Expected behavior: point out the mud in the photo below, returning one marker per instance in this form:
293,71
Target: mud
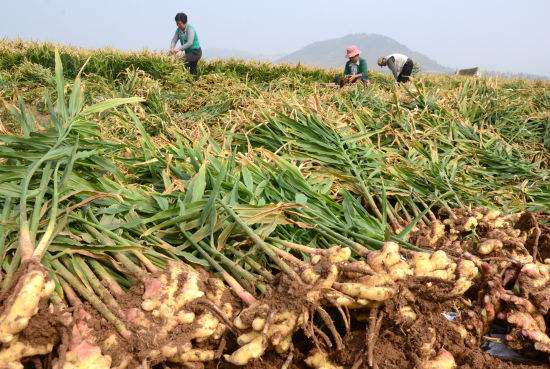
45,327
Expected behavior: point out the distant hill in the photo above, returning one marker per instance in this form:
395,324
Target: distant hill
214,53
330,53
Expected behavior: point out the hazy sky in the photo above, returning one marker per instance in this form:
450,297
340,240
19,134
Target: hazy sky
504,35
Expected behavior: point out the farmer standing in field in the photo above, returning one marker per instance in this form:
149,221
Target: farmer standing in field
355,69
187,36
400,65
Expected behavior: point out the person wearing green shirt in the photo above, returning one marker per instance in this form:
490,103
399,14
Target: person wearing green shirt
356,68
190,45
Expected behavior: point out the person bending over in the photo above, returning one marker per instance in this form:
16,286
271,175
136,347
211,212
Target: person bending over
400,65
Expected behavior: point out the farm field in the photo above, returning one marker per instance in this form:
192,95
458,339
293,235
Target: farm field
257,218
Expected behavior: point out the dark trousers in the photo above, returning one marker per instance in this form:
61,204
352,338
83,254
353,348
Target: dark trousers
406,71
192,58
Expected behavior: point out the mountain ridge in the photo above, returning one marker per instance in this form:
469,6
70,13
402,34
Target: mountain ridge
330,53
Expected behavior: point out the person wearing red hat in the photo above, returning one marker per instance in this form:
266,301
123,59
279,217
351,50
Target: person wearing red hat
355,69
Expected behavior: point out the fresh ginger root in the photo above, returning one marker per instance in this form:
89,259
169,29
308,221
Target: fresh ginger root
431,236
86,356
381,260
10,357
319,360
526,320
194,356
389,267
252,348
182,296
488,246
466,273
31,288
443,360
325,283
436,265
164,299
263,328
534,276
83,351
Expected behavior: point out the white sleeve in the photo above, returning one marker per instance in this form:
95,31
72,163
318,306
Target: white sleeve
392,65
174,40
190,40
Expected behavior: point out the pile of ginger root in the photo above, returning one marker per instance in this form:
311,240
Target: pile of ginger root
187,317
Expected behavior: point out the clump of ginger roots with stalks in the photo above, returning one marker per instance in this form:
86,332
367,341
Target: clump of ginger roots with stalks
480,231
83,350
517,294
525,306
517,279
30,293
179,298
183,313
184,298
272,321
332,279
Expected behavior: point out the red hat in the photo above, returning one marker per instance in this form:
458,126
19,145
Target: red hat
352,51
